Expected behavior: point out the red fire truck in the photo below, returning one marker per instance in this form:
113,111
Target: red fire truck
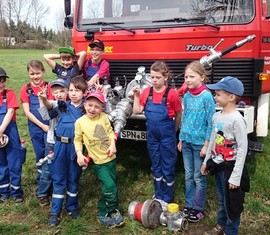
233,36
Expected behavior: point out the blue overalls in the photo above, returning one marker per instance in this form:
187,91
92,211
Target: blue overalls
161,144
67,73
91,71
38,138
11,158
64,169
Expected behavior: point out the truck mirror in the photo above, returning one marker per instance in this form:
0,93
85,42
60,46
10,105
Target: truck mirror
67,7
68,23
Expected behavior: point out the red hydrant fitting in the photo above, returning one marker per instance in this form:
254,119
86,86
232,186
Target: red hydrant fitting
147,212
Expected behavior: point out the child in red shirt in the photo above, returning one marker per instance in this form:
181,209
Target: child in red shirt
162,108
37,127
12,156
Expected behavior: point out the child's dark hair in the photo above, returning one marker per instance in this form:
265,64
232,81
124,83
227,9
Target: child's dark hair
161,67
37,64
79,83
66,56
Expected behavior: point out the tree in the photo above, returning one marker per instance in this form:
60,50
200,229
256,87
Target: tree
22,32
4,33
21,9
59,24
1,10
39,11
50,35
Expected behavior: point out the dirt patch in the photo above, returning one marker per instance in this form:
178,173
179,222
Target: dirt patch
14,218
197,228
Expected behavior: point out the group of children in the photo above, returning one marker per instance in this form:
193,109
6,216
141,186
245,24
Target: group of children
203,149
58,113
52,110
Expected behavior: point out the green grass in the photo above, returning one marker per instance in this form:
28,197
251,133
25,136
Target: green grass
134,178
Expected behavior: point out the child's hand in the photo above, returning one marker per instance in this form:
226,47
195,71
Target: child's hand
98,86
233,186
45,128
111,150
43,93
203,170
136,91
179,145
203,151
81,159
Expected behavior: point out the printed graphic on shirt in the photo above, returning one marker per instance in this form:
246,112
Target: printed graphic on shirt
225,149
64,73
101,134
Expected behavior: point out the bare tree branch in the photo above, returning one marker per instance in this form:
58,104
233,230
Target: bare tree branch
21,9
39,11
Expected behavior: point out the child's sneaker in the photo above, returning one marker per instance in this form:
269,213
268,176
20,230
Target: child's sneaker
217,230
75,214
107,220
117,218
54,220
186,211
18,199
3,198
44,201
195,215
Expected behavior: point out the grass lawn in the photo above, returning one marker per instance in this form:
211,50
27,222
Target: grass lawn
134,178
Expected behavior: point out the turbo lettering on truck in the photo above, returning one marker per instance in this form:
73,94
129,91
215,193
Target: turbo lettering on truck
203,47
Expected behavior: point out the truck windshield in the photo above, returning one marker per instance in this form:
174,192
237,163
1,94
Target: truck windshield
136,14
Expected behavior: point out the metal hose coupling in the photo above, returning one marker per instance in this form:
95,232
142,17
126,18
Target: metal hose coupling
4,141
174,219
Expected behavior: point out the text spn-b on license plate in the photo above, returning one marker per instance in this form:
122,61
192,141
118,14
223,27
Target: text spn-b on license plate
133,135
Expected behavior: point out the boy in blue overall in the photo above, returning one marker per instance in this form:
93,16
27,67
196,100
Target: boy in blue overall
36,125
72,63
95,67
12,156
64,169
59,91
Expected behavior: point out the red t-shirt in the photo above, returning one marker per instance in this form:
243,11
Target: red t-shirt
173,100
24,96
104,69
12,102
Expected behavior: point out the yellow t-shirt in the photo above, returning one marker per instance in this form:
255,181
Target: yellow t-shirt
96,134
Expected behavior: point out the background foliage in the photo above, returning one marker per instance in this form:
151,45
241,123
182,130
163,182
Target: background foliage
22,20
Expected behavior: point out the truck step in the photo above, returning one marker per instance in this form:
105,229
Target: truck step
255,146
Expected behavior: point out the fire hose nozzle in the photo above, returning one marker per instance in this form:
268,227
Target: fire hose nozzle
244,41
251,37
48,158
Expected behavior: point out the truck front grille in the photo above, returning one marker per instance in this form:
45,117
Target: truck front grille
244,69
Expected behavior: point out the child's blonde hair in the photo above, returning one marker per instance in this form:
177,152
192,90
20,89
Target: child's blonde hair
198,68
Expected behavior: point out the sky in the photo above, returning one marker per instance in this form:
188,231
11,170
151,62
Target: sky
56,7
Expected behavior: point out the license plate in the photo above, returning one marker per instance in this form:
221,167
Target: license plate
133,135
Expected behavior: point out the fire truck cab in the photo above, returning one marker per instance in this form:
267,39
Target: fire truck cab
138,32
